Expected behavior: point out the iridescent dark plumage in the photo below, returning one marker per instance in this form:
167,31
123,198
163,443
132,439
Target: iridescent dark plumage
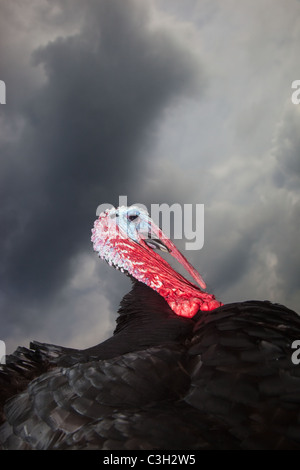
222,379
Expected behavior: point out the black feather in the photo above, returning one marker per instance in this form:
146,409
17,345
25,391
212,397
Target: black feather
219,381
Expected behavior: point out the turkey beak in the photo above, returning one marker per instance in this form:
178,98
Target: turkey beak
156,243
157,239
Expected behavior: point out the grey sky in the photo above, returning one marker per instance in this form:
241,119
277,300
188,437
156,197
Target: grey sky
164,101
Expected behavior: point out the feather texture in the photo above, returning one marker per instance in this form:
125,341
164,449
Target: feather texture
223,380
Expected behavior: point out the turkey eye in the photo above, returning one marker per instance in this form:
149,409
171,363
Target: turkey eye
132,217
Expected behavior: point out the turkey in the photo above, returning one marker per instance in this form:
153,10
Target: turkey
181,371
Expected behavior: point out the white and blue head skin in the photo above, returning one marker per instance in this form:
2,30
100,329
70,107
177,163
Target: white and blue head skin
126,238
118,232
133,221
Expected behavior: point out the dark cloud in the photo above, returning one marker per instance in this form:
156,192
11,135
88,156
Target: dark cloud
287,147
83,129
105,98
286,174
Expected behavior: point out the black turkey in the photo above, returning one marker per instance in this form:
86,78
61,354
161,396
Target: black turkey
181,371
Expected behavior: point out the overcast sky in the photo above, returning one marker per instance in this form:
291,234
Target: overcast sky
161,101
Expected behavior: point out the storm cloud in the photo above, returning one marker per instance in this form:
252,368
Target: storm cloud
160,101
82,135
